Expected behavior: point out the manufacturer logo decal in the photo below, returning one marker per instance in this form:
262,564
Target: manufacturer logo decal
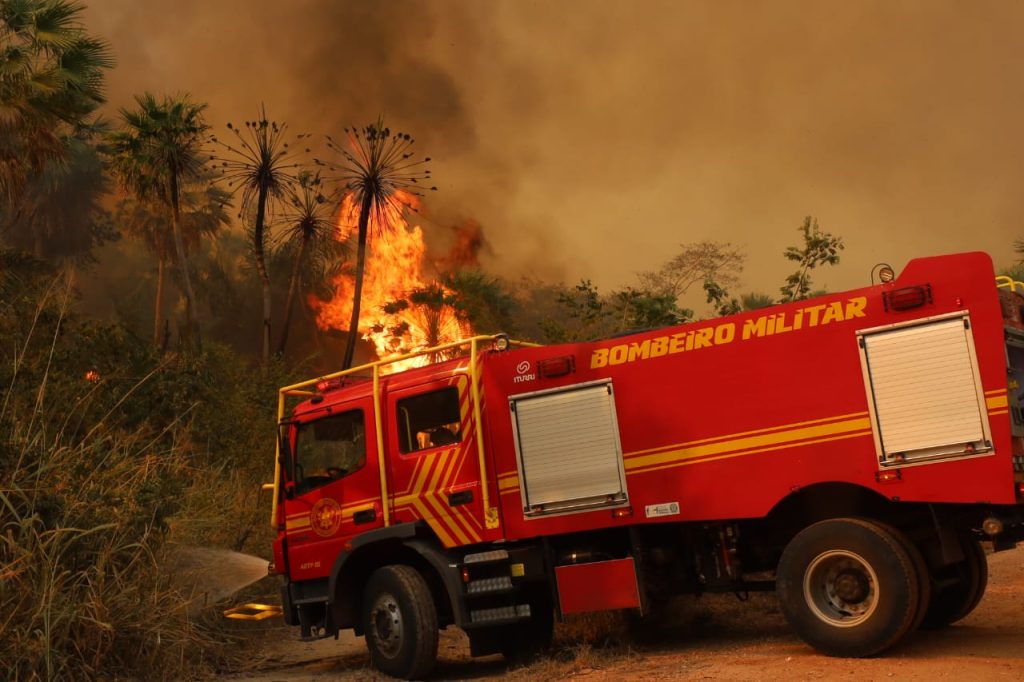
523,373
325,517
663,509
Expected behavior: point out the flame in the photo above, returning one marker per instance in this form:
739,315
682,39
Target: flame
394,268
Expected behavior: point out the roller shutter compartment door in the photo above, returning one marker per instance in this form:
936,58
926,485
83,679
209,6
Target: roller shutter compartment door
927,400
569,452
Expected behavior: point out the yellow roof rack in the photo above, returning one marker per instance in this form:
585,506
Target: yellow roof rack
302,390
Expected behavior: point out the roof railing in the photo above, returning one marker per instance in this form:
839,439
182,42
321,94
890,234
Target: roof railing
1005,282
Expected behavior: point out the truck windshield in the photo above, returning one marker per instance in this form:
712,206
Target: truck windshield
329,449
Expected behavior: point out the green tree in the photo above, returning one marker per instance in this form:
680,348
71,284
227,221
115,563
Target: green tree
309,234
379,171
60,214
485,301
585,314
756,301
260,164
720,300
156,151
51,82
696,263
149,222
819,248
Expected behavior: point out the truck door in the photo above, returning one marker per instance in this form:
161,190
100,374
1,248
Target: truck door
334,491
434,464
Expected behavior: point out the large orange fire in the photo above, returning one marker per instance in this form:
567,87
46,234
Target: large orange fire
395,263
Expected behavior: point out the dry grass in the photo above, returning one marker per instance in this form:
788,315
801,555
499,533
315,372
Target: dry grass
88,502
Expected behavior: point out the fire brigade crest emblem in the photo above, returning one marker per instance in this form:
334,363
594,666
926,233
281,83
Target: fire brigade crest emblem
325,517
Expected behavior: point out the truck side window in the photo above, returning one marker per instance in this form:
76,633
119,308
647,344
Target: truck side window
429,420
329,449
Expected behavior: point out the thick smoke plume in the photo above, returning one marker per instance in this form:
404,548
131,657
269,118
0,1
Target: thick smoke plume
590,139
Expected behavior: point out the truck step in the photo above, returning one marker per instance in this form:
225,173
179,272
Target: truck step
502,614
485,557
502,583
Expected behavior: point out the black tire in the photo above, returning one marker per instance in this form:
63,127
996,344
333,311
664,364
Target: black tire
848,587
924,577
962,587
523,642
400,622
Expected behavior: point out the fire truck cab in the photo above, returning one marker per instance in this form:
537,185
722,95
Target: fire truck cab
850,452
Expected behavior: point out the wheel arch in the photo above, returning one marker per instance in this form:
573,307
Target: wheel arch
806,506
410,544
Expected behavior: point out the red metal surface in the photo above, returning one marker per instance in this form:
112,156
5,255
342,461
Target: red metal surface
719,419
597,586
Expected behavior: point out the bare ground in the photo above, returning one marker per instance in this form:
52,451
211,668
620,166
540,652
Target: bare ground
713,638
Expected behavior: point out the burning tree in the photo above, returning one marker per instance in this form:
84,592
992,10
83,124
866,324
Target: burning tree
309,234
382,178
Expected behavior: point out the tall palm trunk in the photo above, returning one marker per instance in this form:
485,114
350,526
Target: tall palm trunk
159,307
293,287
357,295
179,247
261,267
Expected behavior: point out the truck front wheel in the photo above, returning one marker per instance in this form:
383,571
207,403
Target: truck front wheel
848,587
400,622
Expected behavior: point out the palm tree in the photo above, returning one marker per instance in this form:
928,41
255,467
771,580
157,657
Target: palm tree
51,82
260,164
310,234
203,213
379,170
153,155
60,212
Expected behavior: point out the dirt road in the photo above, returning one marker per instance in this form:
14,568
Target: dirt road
714,638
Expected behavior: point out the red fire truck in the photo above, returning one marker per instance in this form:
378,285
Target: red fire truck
849,451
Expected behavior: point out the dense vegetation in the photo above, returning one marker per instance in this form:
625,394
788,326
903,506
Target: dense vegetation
154,288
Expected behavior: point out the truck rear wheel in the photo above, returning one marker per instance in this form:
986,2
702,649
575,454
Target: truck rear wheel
960,589
924,577
848,587
400,622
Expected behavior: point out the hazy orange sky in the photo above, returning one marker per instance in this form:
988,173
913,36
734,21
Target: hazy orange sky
592,138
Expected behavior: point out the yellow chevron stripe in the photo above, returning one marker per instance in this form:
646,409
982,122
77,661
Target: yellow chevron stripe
998,391
996,413
790,436
463,514
433,499
436,526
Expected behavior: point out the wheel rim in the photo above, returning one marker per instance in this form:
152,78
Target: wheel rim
386,621
841,588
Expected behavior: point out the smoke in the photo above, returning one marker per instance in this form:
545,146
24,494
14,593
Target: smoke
590,139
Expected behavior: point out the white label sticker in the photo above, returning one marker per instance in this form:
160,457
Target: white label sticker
664,509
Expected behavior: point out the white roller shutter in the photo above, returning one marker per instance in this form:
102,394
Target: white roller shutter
926,396
569,450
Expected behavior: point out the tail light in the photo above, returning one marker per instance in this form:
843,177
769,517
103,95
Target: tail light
907,298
